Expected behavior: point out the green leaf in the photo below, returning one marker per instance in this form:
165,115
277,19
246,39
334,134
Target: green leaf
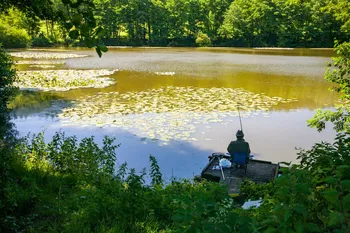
84,30
346,201
301,209
74,34
331,195
346,185
330,180
342,168
287,215
299,227
270,230
66,2
335,218
302,188
68,25
282,180
282,192
77,4
76,19
103,48
98,51
312,227
100,32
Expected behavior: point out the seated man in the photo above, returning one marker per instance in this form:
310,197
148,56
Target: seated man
240,145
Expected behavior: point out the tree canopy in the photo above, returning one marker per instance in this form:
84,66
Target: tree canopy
292,23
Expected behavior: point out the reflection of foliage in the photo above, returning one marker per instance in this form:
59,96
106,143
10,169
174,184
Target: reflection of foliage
340,76
29,99
26,103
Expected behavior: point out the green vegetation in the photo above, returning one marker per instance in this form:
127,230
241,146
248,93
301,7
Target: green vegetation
256,23
63,80
13,29
339,75
75,18
71,186
177,114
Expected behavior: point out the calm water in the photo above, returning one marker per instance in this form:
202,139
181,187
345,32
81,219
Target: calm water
289,74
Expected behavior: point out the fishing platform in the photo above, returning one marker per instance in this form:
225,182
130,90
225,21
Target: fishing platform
258,171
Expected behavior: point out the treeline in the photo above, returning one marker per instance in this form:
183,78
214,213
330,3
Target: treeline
282,23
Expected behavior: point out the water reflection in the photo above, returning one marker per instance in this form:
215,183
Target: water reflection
273,138
288,74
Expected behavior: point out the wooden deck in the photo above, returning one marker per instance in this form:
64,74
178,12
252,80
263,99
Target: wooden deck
258,171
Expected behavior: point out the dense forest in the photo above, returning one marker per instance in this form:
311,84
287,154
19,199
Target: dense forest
252,23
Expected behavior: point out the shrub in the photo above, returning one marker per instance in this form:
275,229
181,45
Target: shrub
41,41
203,39
12,37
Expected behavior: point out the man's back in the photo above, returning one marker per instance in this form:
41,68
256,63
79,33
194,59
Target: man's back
238,146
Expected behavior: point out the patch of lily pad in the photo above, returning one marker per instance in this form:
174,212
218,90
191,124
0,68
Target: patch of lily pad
46,55
168,113
63,80
39,62
42,66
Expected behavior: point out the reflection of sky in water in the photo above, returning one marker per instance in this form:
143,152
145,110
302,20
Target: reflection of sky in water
273,138
297,74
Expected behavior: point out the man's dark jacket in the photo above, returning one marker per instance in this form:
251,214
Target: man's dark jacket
240,145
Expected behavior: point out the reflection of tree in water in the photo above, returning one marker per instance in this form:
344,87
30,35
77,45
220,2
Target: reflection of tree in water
27,103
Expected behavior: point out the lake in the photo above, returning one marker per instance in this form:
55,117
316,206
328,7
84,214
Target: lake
182,104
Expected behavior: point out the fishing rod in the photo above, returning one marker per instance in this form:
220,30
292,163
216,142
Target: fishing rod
222,172
239,114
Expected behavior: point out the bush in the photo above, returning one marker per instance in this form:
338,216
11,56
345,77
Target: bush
12,37
203,39
71,186
41,41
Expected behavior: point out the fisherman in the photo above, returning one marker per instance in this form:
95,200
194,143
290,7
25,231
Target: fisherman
240,145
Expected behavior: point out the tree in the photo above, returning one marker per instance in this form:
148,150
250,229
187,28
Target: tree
249,21
339,74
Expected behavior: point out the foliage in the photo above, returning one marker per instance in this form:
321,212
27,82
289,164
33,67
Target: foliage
71,186
203,39
310,197
310,23
13,27
250,21
339,75
41,41
7,134
14,38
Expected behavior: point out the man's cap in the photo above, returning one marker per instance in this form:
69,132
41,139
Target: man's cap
240,134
